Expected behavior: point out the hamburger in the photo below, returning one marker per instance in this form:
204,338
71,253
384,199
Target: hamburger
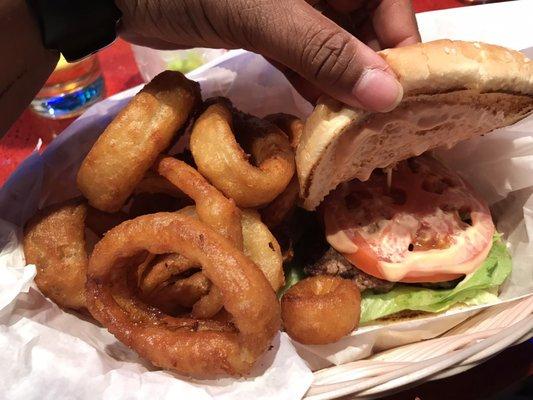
412,233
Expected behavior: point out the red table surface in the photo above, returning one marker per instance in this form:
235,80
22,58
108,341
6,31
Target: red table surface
120,73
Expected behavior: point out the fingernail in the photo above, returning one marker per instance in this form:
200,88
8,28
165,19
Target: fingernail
377,90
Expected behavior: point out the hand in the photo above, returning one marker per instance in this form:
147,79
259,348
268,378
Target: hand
306,44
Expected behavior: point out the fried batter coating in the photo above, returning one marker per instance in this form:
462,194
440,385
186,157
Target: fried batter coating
321,309
129,146
54,241
222,160
194,347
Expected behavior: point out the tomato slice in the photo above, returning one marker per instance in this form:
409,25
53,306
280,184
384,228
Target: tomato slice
429,226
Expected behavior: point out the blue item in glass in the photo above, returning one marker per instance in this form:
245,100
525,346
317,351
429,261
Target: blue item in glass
69,104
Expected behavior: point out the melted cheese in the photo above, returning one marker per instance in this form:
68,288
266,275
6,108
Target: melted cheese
341,242
426,263
338,238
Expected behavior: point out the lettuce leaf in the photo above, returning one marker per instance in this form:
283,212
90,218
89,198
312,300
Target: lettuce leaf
294,273
478,287
186,63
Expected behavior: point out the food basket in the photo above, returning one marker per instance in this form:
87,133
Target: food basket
55,354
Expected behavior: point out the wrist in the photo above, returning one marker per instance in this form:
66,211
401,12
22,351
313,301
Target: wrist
76,28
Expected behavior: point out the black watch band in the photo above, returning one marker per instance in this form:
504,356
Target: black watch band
76,28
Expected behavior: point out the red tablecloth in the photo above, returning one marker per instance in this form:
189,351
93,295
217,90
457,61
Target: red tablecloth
120,73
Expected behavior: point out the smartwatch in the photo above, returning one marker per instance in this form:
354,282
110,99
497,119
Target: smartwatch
76,28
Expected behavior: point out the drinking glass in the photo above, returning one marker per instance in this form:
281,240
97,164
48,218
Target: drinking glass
71,88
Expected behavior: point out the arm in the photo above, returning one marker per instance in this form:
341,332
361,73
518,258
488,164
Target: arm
24,63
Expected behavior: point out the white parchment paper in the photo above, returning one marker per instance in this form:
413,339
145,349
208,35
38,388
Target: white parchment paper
47,353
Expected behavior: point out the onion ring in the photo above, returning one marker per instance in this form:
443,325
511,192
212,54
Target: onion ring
163,286
150,203
209,305
162,268
54,240
184,344
212,207
175,298
282,207
259,245
131,143
154,194
224,163
194,287
321,309
262,248
160,283
155,184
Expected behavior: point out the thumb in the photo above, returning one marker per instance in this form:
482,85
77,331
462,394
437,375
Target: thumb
330,58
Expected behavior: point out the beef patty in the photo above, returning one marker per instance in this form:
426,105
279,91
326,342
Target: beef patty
333,263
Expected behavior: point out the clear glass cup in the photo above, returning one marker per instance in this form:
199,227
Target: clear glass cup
71,88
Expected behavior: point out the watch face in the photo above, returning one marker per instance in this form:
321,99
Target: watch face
68,29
